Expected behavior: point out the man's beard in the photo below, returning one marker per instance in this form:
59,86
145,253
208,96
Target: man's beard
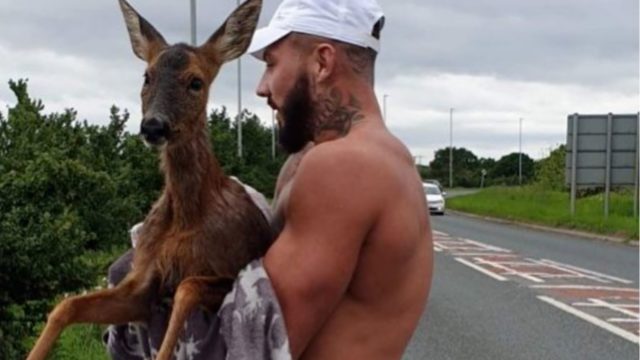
297,115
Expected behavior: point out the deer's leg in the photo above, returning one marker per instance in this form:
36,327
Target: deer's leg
125,303
192,291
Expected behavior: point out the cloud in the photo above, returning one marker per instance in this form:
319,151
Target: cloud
494,61
487,111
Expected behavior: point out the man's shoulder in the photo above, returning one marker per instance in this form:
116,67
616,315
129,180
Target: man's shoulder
339,157
336,170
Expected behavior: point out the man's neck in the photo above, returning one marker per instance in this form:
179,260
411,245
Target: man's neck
342,107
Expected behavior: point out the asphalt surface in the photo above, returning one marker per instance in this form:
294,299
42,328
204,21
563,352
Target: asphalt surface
489,289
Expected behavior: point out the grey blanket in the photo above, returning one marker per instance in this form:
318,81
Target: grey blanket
249,324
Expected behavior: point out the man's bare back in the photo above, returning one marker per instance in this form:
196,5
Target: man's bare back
389,285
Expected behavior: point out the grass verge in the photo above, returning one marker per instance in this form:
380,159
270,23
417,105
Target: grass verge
83,342
534,205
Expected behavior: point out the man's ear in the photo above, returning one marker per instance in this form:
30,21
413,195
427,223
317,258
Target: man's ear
146,41
324,61
234,36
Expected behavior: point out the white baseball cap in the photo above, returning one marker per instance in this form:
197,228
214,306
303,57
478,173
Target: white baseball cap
350,21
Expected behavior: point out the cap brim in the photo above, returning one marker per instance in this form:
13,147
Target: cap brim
264,37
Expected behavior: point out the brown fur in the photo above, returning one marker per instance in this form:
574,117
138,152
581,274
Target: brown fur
204,228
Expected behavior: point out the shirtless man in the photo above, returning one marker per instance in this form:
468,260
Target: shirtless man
352,265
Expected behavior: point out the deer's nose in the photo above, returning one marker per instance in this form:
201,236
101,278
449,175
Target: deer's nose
154,130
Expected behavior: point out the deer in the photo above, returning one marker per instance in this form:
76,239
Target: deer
204,228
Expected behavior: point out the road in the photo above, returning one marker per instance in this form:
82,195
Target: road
505,292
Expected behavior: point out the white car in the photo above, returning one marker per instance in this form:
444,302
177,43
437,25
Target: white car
435,198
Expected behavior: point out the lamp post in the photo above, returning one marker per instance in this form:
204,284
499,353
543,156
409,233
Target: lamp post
273,134
239,120
384,107
520,153
193,22
450,148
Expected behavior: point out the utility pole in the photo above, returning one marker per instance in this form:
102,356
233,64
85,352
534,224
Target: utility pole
239,120
450,148
193,22
520,154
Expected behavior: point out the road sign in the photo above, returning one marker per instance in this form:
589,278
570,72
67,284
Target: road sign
606,153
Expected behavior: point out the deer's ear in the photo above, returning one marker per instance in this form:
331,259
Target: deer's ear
232,38
146,41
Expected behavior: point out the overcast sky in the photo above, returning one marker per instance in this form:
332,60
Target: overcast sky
493,61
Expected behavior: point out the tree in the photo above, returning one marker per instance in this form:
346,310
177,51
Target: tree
550,171
44,193
506,170
466,171
257,167
424,171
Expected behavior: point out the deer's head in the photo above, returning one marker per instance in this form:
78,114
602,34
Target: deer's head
178,77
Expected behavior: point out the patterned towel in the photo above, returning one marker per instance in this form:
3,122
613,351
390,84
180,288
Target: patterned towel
249,325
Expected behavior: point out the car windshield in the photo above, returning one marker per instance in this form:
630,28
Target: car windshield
431,190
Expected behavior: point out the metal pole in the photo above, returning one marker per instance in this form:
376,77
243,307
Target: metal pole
520,154
193,22
384,107
607,175
450,148
273,134
239,120
574,160
637,169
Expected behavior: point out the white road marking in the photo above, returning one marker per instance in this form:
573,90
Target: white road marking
487,246
624,281
482,254
623,306
623,320
582,287
478,268
570,270
592,319
614,307
509,270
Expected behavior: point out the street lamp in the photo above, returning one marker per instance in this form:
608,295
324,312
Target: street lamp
239,120
193,22
273,134
384,107
520,153
450,148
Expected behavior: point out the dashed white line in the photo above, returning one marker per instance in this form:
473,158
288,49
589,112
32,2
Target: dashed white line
592,319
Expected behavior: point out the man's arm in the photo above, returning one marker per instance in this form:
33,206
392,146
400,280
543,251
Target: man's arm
332,206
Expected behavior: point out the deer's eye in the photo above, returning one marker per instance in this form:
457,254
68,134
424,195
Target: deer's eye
196,84
146,79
